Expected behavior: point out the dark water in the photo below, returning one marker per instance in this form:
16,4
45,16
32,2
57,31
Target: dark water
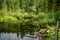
13,36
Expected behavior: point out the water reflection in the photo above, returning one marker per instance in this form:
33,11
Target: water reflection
14,36
9,36
28,38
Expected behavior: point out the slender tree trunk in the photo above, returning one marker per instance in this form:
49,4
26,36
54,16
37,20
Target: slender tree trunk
37,10
56,32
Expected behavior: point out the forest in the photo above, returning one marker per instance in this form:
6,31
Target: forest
28,16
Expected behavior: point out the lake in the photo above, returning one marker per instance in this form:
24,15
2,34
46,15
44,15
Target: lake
14,36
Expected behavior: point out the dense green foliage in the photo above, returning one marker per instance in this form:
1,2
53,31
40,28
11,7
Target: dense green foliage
27,15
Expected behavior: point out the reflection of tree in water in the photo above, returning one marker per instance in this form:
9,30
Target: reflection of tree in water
0,35
17,34
22,35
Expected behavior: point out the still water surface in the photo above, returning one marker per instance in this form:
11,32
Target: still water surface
13,36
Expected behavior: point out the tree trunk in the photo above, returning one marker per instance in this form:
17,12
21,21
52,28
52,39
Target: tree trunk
56,32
